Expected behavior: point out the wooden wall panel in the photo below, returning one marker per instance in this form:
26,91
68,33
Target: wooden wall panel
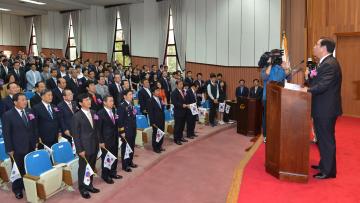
48,52
231,74
140,61
13,49
94,56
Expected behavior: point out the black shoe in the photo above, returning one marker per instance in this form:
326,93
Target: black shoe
315,167
190,137
178,143
108,180
19,195
93,190
116,176
157,151
322,176
133,165
184,140
128,169
162,149
85,194
196,135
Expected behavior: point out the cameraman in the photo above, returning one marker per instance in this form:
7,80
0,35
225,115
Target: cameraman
273,69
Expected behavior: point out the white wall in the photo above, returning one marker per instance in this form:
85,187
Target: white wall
12,29
231,32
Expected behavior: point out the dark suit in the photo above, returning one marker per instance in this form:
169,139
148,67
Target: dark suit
96,102
86,139
143,99
179,114
116,94
127,123
109,135
326,107
51,84
3,71
190,98
21,78
188,81
242,93
48,126
256,95
35,100
57,96
20,137
7,104
157,118
74,87
66,114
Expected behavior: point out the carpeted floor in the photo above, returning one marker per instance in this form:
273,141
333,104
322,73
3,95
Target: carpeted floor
200,171
258,186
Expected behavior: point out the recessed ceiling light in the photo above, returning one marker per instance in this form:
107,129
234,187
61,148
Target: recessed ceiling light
33,2
4,9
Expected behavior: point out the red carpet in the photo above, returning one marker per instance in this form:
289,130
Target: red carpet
258,186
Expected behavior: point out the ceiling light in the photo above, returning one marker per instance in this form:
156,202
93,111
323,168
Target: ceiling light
33,2
4,9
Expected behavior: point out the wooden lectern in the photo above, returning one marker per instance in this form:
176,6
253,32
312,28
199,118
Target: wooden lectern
287,133
249,116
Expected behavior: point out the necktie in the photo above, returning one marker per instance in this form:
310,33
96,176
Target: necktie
50,112
94,98
24,118
70,106
17,72
112,116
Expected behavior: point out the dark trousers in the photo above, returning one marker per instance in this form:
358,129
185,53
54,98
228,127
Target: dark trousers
325,133
157,145
190,124
130,135
105,172
91,158
179,127
212,113
18,185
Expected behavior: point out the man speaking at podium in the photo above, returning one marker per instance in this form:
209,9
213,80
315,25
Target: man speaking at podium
325,87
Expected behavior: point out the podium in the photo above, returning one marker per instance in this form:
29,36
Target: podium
287,133
249,116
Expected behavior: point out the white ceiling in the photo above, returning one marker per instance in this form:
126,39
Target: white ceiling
23,9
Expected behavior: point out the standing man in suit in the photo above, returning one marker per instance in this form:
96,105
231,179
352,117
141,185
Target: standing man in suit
157,118
7,102
32,76
213,93
58,91
86,138
48,120
201,87
188,79
73,83
191,98
144,95
20,137
109,138
4,69
256,91
115,89
127,125
325,88
67,109
242,90
20,77
39,87
51,83
180,109
96,100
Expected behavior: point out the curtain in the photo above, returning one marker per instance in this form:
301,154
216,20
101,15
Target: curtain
37,24
111,26
163,29
28,25
178,11
66,17
76,22
125,22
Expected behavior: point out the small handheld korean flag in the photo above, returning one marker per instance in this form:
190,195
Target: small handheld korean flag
221,107
15,173
109,160
48,149
194,109
128,151
73,147
159,134
227,109
88,173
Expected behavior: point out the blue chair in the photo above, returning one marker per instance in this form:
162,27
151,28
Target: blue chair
29,94
141,122
42,176
206,104
3,154
5,165
138,112
144,130
169,116
63,153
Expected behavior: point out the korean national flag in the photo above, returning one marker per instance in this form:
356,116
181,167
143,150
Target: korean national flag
109,160
159,134
15,173
48,149
88,173
128,151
